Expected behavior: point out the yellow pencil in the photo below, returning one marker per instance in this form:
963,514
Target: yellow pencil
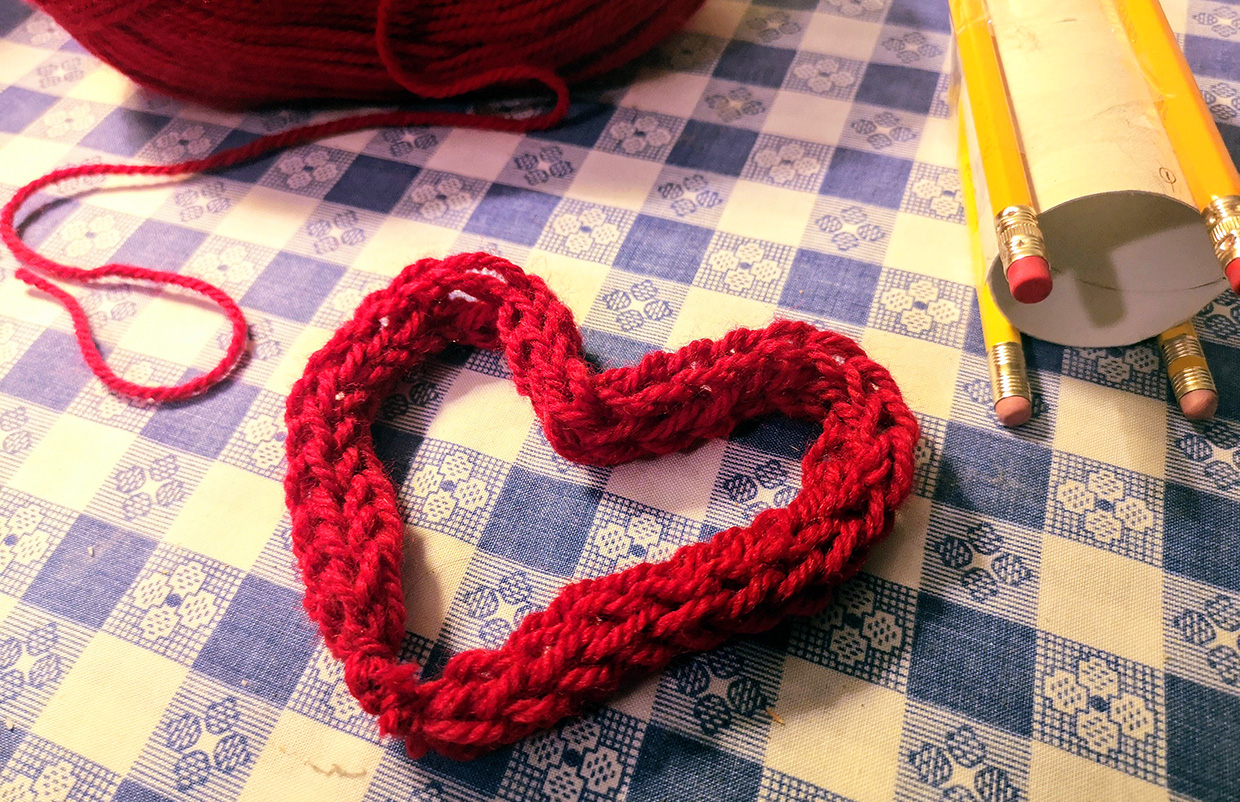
1009,381
1208,169
1021,246
1189,374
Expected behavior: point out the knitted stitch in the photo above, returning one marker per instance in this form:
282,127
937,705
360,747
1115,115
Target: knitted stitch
598,634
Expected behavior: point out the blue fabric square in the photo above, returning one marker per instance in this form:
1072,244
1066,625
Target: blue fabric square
673,768
204,425
540,522
1231,139
511,213
995,475
1203,736
606,350
920,15
396,448
706,146
264,638
778,637
130,791
90,570
974,343
433,665
1201,535
1209,56
777,435
867,177
51,372
20,107
159,246
894,87
749,63
12,14
455,355
247,172
483,774
1225,365
585,123
124,131
976,664
1041,355
663,248
375,184
832,286
292,286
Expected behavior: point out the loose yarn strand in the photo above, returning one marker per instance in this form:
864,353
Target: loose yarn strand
33,261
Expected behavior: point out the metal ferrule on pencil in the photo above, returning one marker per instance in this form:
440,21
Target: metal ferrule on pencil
1008,376
1222,218
1019,235
1186,362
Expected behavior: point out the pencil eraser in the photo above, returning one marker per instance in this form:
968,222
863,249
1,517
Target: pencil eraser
1015,410
1199,404
1233,274
1029,279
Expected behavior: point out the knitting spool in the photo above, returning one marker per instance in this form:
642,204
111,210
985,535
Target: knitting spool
1129,253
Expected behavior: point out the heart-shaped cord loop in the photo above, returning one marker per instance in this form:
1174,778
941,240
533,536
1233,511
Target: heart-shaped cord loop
598,633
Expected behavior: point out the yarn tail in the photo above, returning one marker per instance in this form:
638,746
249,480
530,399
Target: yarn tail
38,271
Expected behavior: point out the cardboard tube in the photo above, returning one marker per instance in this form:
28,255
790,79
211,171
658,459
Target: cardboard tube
1130,255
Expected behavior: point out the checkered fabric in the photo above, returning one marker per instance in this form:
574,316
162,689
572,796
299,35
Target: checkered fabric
1055,618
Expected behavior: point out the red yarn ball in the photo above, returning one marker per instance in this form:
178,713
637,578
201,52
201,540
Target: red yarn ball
241,53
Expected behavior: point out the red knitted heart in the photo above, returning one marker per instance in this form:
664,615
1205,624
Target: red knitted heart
597,633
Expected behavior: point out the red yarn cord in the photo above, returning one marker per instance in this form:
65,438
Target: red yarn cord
598,634
34,261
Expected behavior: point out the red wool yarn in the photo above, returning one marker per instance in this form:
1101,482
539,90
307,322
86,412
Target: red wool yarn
598,634
243,53
37,268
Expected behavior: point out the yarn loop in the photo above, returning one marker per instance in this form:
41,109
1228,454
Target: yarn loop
598,634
